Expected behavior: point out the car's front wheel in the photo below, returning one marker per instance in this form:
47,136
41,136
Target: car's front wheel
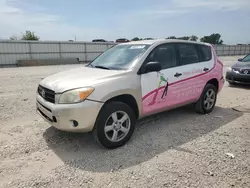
231,83
207,100
114,125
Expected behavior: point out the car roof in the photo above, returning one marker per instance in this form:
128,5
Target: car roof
162,41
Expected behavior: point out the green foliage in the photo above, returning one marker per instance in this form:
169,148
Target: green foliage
135,39
171,37
184,38
214,38
193,38
14,37
28,35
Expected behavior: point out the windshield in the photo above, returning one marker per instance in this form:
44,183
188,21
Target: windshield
246,59
119,57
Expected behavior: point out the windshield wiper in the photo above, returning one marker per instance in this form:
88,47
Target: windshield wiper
101,67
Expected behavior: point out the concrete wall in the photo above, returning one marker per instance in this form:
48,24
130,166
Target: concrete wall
14,53
231,50
17,52
25,63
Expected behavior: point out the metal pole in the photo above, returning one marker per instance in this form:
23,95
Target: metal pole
30,51
60,50
85,53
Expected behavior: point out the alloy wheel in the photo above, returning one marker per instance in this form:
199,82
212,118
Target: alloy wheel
117,126
209,99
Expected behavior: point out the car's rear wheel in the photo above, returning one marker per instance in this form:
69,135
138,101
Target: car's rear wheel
207,100
114,125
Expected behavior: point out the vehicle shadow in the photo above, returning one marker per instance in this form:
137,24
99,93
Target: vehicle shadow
240,86
153,136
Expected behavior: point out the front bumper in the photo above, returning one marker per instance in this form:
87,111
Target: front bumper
237,78
65,116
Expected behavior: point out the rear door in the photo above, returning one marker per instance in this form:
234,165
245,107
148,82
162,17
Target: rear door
195,62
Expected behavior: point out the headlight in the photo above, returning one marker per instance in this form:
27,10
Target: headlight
236,70
75,95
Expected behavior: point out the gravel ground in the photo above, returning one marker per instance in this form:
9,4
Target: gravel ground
173,149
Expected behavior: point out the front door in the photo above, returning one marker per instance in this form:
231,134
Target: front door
157,92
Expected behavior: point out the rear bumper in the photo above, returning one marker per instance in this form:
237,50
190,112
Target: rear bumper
237,78
65,116
221,83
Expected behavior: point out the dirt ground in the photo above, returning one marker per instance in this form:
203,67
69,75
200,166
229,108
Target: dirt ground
178,148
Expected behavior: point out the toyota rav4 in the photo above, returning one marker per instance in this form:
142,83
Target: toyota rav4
128,82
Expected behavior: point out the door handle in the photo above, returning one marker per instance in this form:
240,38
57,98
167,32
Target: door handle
177,74
205,69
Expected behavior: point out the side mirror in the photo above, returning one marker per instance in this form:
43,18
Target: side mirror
152,67
240,59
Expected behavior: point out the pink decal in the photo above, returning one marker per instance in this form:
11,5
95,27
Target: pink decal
194,71
188,89
162,79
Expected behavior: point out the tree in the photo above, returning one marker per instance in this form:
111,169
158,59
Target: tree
214,38
135,39
171,37
184,38
193,38
28,35
14,37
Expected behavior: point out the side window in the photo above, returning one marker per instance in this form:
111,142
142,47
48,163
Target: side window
205,51
165,54
188,54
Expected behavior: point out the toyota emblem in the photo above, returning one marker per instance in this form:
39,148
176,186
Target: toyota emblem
245,71
43,93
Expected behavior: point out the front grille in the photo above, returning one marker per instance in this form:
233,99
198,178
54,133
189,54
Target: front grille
47,94
44,106
245,71
44,115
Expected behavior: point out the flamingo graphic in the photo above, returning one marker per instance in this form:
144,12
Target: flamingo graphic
162,79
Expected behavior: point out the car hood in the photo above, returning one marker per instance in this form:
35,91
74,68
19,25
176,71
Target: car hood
79,77
241,65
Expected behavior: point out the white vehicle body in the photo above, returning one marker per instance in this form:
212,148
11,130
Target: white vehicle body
73,100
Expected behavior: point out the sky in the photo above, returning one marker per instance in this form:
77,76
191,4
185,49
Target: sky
112,19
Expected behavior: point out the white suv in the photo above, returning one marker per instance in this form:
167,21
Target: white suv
128,82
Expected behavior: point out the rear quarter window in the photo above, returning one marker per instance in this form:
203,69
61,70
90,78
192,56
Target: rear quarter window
205,53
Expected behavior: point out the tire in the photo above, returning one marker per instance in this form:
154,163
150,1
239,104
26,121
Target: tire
201,105
231,84
106,128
